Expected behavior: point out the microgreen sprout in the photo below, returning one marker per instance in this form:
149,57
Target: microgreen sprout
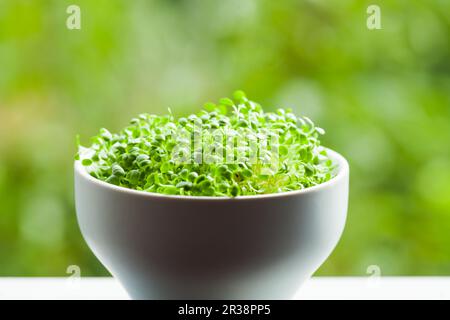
228,149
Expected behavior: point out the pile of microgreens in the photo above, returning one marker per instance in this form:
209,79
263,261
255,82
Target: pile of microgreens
141,156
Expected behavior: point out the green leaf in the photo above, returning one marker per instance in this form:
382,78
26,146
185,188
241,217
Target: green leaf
86,162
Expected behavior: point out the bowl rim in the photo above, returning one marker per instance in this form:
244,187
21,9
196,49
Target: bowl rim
342,173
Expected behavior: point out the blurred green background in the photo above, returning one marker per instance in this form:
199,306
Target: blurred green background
383,97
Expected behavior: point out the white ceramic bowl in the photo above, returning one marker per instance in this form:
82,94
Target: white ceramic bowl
182,247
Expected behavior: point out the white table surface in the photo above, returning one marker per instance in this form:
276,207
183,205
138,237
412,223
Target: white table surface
316,288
